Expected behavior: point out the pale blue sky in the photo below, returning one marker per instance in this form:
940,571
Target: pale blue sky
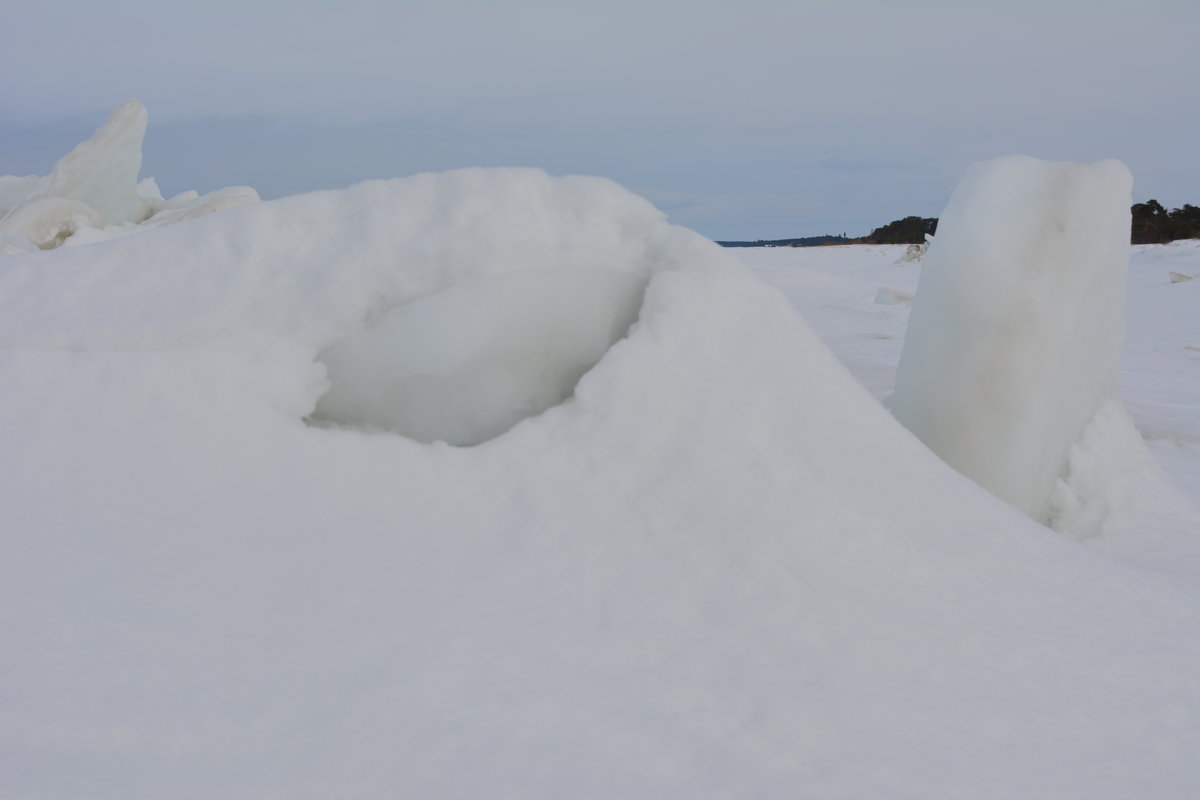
741,119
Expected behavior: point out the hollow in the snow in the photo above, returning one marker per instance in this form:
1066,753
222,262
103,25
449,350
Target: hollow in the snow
467,363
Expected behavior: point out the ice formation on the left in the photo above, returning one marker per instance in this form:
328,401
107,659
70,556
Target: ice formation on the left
93,192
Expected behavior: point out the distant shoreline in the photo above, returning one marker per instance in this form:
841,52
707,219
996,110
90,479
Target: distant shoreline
807,241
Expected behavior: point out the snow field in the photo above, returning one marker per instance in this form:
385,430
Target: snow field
719,568
1114,496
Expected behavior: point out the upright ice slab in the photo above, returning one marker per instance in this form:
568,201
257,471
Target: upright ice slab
1015,335
103,171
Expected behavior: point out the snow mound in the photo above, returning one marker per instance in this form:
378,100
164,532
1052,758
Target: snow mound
1112,485
721,569
914,252
1015,335
191,205
95,187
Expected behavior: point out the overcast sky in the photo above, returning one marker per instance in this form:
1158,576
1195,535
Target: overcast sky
743,120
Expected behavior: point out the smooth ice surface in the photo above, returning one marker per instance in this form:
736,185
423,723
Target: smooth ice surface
469,362
103,171
1015,335
721,569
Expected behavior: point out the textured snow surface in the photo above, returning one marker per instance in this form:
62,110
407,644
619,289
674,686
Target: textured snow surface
1017,326
719,569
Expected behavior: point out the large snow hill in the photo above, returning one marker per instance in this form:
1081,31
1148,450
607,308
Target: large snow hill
718,568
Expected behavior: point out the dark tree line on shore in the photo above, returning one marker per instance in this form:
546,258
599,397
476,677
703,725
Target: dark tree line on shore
1152,224
910,230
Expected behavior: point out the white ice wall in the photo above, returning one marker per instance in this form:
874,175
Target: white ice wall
1016,330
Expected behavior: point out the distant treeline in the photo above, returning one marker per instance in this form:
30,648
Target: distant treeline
807,241
1152,224
910,230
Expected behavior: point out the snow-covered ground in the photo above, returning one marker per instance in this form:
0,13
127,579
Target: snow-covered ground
857,299
719,568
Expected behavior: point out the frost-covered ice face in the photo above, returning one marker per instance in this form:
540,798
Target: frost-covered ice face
467,363
1016,330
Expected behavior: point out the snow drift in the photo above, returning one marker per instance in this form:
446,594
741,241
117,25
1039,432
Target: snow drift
719,568
1015,335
